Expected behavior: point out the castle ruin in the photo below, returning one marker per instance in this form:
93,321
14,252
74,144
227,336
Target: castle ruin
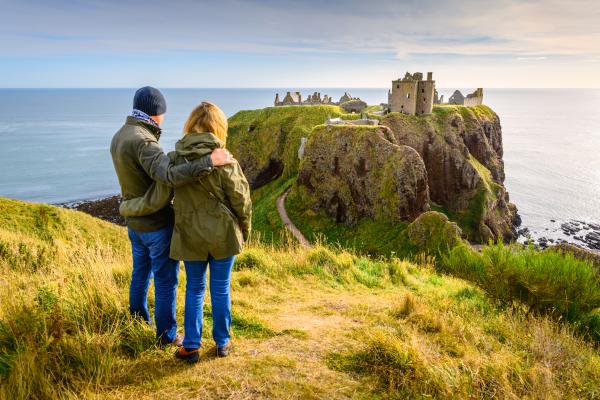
472,99
412,95
295,99
475,98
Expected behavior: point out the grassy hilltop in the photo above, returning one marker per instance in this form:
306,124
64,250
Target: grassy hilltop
308,323
460,146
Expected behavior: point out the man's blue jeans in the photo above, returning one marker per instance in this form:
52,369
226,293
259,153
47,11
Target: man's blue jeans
220,276
151,257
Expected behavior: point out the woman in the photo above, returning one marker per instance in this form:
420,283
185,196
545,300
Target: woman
212,220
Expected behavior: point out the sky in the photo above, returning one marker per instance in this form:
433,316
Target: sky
281,43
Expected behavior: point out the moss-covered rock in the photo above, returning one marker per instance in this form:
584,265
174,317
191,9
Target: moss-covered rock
433,233
354,172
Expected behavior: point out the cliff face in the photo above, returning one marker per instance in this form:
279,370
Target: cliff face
462,150
449,161
355,173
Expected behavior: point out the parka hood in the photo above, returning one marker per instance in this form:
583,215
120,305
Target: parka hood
196,145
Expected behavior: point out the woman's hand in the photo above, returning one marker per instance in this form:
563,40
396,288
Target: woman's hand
221,157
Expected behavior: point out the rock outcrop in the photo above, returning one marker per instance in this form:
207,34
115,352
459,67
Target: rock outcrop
449,161
462,150
354,172
433,233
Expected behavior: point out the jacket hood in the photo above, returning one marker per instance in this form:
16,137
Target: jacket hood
196,145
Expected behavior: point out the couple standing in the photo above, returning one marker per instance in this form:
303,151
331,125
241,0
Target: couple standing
192,205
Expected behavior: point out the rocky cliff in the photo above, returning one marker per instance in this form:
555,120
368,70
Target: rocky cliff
355,172
462,150
449,161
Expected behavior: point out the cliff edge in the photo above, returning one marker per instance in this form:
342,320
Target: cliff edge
347,175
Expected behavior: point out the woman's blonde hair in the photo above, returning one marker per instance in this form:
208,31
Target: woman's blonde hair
207,117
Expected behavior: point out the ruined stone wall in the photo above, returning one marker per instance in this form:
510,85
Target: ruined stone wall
403,97
474,99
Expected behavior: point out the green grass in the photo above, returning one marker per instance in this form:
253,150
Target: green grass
548,282
308,323
490,185
275,132
266,223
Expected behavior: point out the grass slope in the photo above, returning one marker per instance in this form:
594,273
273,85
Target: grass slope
275,132
307,323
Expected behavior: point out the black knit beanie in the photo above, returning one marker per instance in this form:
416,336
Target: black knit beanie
150,100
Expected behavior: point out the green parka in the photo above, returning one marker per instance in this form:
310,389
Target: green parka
213,215
139,161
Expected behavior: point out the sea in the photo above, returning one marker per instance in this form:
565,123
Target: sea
54,146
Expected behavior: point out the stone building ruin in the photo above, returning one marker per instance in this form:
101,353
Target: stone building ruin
295,99
472,99
437,99
457,98
412,95
363,120
475,98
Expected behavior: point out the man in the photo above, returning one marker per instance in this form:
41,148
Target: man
139,161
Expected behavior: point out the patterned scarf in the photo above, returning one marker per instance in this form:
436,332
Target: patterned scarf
142,116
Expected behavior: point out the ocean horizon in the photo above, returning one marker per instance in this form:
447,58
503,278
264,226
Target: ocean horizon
54,143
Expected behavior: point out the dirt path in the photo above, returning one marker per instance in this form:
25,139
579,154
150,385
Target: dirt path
288,222
280,366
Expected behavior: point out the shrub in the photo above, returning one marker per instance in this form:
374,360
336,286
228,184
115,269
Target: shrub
325,260
397,368
548,282
254,258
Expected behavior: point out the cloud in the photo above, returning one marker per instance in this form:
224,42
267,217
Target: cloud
407,29
286,37
531,58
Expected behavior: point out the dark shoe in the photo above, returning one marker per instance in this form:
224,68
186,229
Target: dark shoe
188,355
224,351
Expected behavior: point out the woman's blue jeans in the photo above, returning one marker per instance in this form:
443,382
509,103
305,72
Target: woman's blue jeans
220,276
150,252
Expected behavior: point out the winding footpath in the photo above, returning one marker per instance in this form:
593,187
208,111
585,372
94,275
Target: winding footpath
288,222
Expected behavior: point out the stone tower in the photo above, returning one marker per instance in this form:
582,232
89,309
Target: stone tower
412,95
425,95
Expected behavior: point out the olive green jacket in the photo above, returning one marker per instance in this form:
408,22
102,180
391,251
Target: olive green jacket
139,161
212,216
